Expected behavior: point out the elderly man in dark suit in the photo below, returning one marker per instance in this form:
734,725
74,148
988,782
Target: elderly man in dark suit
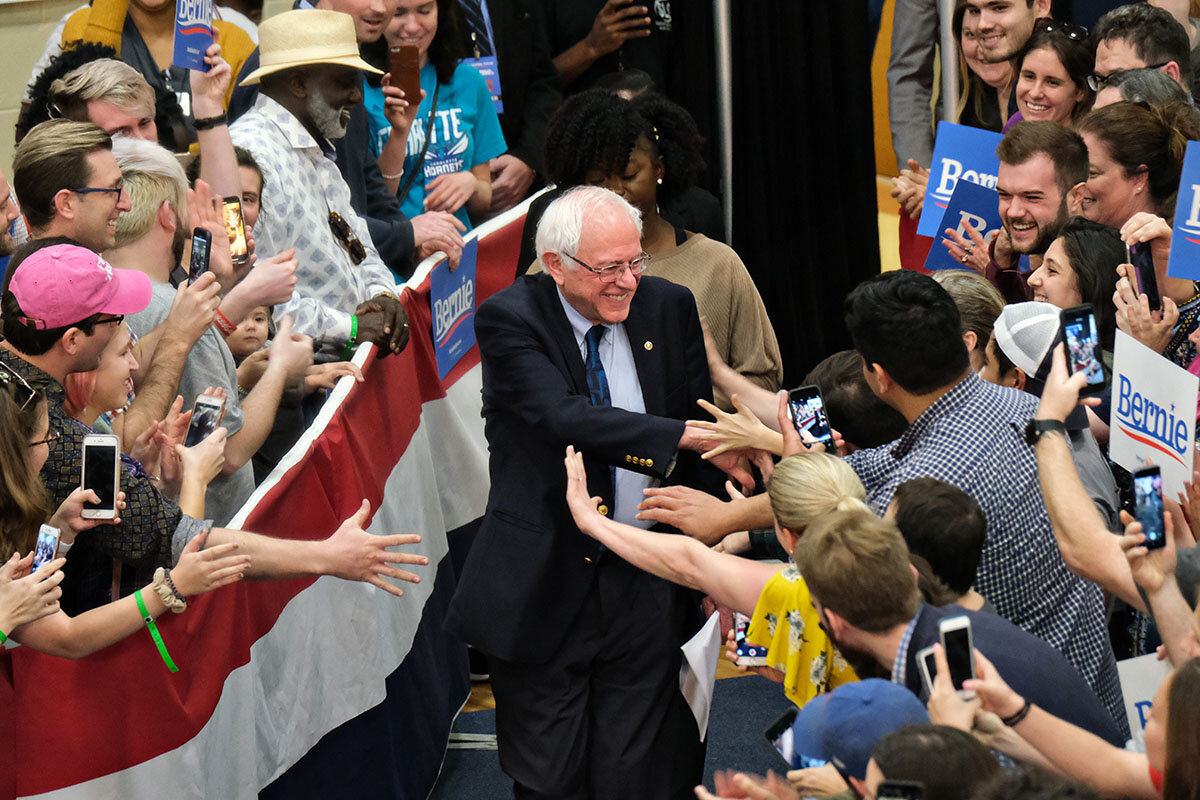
585,647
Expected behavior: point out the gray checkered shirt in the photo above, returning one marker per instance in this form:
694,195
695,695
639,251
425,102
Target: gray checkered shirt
973,437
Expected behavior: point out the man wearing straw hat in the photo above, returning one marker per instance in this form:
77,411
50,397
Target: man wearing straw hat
309,81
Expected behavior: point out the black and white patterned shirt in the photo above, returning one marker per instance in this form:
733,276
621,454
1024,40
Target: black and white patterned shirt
973,437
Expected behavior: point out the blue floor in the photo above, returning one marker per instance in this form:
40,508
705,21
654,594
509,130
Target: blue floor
742,709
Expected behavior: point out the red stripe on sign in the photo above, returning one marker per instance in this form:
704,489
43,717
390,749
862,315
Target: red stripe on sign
1151,443
74,721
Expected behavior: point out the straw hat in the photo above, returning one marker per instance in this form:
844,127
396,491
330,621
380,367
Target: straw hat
306,36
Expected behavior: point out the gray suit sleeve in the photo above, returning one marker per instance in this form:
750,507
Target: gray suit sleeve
910,79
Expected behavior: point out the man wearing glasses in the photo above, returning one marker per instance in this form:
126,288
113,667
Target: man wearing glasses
1141,36
584,647
69,183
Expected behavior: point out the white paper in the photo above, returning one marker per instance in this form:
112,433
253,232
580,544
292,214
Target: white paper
1140,679
698,675
1153,413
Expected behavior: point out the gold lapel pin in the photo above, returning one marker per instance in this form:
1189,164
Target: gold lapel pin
648,345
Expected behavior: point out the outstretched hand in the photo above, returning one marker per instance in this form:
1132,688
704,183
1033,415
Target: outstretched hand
583,507
739,431
352,554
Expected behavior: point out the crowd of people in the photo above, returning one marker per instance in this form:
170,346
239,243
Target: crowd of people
194,258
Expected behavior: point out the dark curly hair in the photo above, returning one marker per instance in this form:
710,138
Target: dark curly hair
68,60
596,130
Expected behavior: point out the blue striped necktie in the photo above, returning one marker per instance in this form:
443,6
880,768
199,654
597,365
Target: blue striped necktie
473,14
597,381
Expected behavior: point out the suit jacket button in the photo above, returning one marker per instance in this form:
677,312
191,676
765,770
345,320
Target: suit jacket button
649,462
603,509
628,458
588,560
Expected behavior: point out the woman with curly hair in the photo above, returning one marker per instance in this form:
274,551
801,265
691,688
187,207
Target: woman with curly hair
648,151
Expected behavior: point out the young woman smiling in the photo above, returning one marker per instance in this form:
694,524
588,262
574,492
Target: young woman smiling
1052,72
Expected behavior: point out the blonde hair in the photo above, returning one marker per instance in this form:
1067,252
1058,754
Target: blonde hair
807,486
979,303
103,79
151,175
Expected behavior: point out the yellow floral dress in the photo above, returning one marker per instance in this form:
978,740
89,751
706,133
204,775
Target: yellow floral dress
798,647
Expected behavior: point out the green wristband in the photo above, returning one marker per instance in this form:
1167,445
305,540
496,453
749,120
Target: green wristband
3,638
353,340
154,634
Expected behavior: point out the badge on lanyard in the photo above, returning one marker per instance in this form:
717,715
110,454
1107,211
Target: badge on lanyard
490,71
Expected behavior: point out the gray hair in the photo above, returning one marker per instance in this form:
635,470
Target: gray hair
103,79
561,225
1147,85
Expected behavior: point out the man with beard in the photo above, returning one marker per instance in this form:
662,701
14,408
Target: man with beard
864,588
1042,168
309,83
1003,27
976,436
8,210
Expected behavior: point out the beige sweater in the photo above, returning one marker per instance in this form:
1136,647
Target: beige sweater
729,303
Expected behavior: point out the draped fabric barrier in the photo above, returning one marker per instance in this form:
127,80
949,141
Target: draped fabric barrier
270,671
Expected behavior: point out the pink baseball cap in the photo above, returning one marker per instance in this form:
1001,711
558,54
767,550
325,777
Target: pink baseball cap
64,284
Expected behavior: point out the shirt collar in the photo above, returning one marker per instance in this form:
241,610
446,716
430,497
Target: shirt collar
579,323
900,664
34,376
292,129
953,399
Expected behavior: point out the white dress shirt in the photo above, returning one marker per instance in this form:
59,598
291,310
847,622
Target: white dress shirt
300,187
625,390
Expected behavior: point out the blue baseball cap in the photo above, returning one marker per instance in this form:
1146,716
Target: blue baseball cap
842,727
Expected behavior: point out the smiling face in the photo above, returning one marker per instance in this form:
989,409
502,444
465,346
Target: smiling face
370,16
609,237
1003,26
333,91
1032,206
994,75
1044,89
96,213
1055,281
1111,196
638,183
114,375
414,23
251,195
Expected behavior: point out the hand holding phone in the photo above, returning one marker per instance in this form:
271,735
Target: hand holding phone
807,409
927,663
1081,333
404,65
101,470
748,655
206,415
1148,506
235,228
955,633
47,546
1144,279
201,249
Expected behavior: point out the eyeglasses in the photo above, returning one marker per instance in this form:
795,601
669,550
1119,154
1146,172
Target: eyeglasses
51,436
1098,82
610,273
1076,33
341,229
21,391
115,191
106,320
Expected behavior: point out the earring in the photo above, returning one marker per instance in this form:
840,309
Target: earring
660,183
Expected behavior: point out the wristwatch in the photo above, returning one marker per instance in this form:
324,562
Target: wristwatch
1037,427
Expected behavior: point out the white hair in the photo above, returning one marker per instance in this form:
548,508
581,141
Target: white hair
561,225
151,174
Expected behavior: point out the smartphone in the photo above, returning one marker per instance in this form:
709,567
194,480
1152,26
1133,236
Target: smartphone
1082,337
235,227
47,546
1148,506
748,655
900,790
101,473
404,64
780,735
1139,256
808,414
955,633
927,663
201,247
206,415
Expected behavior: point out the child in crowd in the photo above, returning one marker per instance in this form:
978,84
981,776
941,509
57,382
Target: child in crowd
248,345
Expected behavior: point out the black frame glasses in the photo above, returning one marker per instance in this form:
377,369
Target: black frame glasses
116,191
1097,82
343,233
22,392
610,273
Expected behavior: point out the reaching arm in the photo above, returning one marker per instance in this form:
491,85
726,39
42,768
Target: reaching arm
617,21
1154,571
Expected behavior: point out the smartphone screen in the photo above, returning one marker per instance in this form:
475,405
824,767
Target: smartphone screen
99,474
900,790
808,414
957,643
780,735
1148,506
201,245
404,64
46,547
1142,261
928,667
748,655
1082,337
205,416
235,227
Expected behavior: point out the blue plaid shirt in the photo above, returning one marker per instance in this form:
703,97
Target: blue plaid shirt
974,438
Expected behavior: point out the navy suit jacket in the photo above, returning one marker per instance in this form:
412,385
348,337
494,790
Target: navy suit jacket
1034,669
530,568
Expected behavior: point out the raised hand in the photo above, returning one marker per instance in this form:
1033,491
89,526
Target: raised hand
971,251
352,554
617,22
